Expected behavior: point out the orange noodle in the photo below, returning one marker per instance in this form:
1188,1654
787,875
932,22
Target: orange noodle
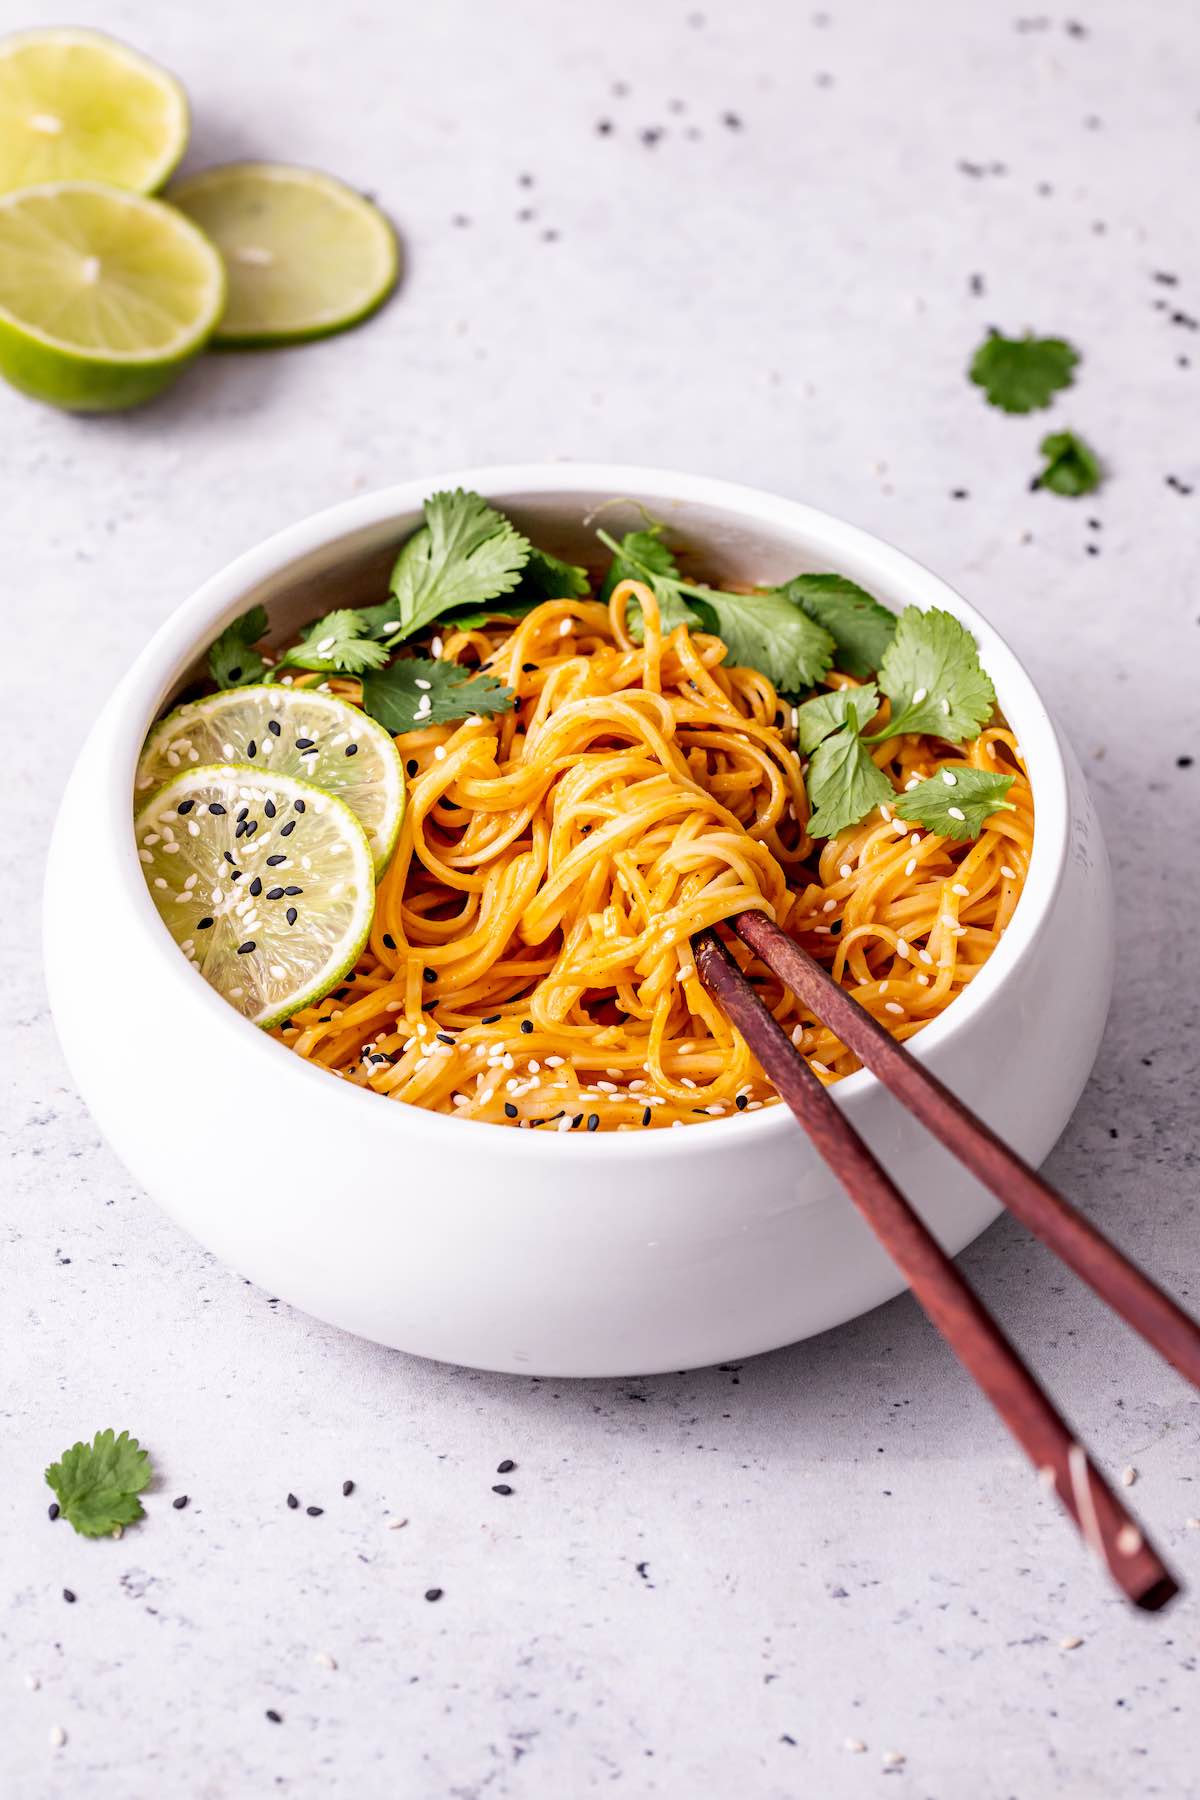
529,961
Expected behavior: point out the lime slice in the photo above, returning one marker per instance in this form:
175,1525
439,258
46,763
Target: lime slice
305,254
297,731
264,882
104,295
79,106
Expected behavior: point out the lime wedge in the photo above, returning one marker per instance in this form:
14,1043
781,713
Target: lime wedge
264,882
305,254
293,731
104,295
79,106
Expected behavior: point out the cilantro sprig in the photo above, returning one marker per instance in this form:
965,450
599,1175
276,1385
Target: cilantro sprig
337,644
932,678
465,553
1020,375
417,691
956,803
1072,467
232,659
765,630
97,1484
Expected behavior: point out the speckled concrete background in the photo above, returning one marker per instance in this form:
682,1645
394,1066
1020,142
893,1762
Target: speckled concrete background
701,1585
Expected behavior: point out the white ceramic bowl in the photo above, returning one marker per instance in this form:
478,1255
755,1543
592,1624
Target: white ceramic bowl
609,1254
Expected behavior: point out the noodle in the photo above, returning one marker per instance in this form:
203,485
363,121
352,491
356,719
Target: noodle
529,960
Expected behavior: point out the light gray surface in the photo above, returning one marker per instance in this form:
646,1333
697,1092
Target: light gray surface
839,1541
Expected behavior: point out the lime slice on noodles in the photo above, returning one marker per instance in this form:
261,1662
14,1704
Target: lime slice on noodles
79,106
293,731
305,254
264,882
104,295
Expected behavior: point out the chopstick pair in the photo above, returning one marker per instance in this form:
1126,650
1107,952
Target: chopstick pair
1061,1461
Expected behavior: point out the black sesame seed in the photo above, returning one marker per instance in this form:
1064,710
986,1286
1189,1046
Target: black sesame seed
314,1512
287,830
501,1487
273,727
53,1510
275,893
243,814
246,948
412,765
204,925
185,806
510,1111
273,862
492,1019
528,668
742,1102
304,743
593,1123
214,806
276,1718
297,805
347,1488
269,808
433,1593
256,886
527,1026
252,748
444,1037
646,1116
180,1502
1184,762
228,855
68,1596
389,942
603,127
351,750
292,1502
577,1121
506,1467
429,974
290,891
235,674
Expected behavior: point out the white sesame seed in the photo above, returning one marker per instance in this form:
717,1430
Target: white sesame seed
902,950
1069,1643
894,1759
963,891
945,706
955,812
417,682
950,779
33,1683
1192,1524
324,1659
910,867
948,920
435,647
439,754
919,695
58,1737
893,1007
1128,1475
820,1067
829,906
924,956
1008,874
396,1524
854,1745
845,871
565,628
924,980
885,813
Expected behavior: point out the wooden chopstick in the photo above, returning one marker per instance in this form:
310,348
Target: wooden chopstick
1119,1282
968,1328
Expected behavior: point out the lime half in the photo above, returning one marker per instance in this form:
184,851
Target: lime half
104,295
293,731
264,882
305,254
79,106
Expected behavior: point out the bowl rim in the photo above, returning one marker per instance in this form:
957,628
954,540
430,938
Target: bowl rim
177,640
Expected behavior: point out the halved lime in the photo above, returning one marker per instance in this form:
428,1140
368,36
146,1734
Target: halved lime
264,882
104,295
305,254
295,731
79,106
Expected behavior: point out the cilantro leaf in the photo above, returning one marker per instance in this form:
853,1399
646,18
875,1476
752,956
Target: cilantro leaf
767,631
1022,374
97,1484
860,627
826,713
552,579
956,808
397,696
642,556
1072,467
340,642
465,553
932,677
232,659
844,784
